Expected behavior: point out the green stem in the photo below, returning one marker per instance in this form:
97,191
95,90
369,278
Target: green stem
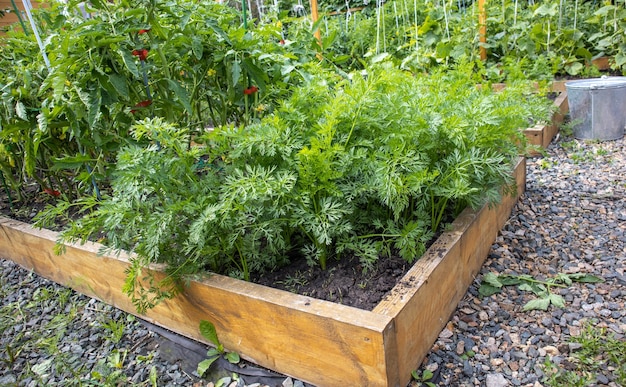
211,112
164,61
548,284
244,264
437,211
6,189
323,257
379,236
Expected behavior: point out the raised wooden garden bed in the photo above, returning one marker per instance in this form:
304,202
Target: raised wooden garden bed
324,343
541,135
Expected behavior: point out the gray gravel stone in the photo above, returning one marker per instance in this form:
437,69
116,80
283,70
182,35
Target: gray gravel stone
496,380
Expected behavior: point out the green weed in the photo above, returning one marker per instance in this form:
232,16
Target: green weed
601,352
208,331
492,284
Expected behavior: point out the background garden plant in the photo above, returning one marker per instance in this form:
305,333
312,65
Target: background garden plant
205,65
192,64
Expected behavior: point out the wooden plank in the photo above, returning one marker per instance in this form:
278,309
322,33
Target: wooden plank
439,280
542,135
535,135
558,86
602,63
292,334
558,116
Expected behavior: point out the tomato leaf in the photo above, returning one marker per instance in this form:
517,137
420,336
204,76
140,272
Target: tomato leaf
556,300
537,304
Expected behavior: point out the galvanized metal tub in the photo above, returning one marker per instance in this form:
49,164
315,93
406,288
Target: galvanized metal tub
598,107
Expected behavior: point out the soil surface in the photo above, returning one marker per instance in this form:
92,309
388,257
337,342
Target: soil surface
343,281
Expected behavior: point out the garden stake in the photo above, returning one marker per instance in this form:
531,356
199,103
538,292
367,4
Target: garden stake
19,17
482,25
244,14
148,93
445,17
27,8
404,12
145,79
417,45
260,6
348,15
395,12
377,26
382,10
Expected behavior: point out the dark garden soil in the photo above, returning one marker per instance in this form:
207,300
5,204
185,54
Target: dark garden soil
25,211
344,281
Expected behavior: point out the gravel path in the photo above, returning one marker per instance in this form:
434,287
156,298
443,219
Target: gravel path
572,219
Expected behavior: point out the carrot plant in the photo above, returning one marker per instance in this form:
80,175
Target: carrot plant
371,165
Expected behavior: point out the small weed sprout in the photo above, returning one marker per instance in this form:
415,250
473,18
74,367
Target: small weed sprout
423,379
115,330
600,352
292,283
208,331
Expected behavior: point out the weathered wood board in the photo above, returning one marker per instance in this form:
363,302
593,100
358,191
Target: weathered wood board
320,342
543,134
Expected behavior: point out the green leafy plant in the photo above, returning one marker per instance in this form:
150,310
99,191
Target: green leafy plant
115,329
208,331
598,352
493,283
62,124
370,166
423,378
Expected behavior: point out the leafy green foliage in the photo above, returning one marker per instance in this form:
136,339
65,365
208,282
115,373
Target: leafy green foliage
424,378
188,63
493,284
367,165
600,352
208,331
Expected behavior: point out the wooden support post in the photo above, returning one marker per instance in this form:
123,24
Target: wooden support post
314,17
482,29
